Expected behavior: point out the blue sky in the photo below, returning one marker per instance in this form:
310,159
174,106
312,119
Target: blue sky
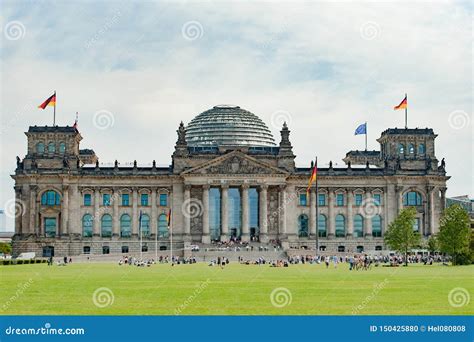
325,67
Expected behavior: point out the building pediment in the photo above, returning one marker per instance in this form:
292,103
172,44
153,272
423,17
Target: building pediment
235,162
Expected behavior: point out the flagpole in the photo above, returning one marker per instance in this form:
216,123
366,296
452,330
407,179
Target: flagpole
54,112
406,111
317,214
366,135
141,242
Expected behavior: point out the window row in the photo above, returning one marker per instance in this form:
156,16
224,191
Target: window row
125,200
125,225
411,148
358,230
340,199
125,249
40,147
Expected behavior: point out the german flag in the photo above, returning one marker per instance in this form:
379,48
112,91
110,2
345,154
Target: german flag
168,218
402,105
50,101
312,178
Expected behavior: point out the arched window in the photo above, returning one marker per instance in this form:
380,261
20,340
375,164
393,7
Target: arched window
106,226
163,226
303,226
125,226
51,147
401,148
411,149
145,225
322,225
87,223
376,226
50,198
358,226
40,147
421,149
62,147
412,198
340,226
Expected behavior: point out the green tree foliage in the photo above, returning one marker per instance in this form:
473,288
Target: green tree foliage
5,248
432,245
455,234
400,235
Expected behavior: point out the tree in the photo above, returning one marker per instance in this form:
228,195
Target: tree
400,235
454,233
5,248
432,245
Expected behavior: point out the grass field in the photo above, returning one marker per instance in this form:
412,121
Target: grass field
236,290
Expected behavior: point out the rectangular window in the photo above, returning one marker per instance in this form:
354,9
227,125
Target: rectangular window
50,226
87,200
144,199
321,200
340,200
163,200
106,199
416,225
358,199
125,200
377,199
303,200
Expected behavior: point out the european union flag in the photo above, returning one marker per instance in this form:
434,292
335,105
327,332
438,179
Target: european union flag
362,129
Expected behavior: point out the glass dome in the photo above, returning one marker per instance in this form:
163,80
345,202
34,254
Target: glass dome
226,125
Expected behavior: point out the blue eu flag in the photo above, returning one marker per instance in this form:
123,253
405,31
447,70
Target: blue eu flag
362,129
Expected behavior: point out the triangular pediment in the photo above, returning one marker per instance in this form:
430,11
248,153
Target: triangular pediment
237,163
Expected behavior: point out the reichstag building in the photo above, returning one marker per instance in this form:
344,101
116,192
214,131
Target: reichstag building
229,179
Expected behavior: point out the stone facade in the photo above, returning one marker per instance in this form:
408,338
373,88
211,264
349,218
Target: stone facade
54,164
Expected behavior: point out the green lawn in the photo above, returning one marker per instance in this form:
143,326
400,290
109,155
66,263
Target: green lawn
237,289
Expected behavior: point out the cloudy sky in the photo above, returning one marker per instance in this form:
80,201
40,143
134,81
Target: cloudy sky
133,71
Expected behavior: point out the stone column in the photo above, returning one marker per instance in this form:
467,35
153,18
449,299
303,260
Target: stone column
367,218
19,211
398,194
443,198
263,212
283,204
33,227
205,215
64,212
115,217
312,212
154,215
96,221
350,214
25,217
187,217
75,221
431,207
135,216
245,213
224,212
331,218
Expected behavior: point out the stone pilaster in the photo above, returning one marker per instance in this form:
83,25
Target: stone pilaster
263,212
331,218
431,210
205,215
245,213
367,218
312,212
154,215
283,204
187,218
135,212
64,212
350,214
224,212
19,211
96,223
33,227
115,216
